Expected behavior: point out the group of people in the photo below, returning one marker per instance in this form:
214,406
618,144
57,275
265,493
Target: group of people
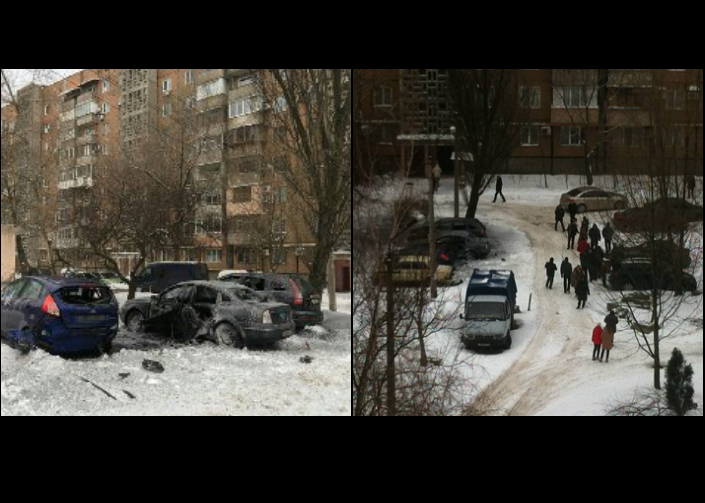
603,339
575,277
583,232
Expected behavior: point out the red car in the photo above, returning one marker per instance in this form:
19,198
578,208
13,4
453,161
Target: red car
658,216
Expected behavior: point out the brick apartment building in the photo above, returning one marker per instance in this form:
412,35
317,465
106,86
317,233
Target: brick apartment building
572,120
67,129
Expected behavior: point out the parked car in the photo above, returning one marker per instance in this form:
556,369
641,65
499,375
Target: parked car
661,215
458,246
111,277
593,199
638,275
444,255
666,251
414,270
59,315
471,225
293,290
159,276
228,313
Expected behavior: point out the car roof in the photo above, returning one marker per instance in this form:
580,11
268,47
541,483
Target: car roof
59,282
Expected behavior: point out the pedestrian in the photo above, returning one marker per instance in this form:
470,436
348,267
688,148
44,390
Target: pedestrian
597,341
576,277
550,271
566,272
611,321
606,267
583,290
584,225
572,232
560,213
583,246
498,190
437,172
591,262
607,343
691,186
572,210
598,257
607,233
595,236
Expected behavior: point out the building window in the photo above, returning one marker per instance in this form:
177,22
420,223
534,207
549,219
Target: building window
279,226
214,255
47,128
106,86
529,136
675,99
46,109
166,86
209,89
530,97
242,194
676,70
166,109
279,256
630,137
572,136
573,97
383,97
188,77
105,108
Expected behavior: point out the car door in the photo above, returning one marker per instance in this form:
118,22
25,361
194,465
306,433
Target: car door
11,320
30,302
204,301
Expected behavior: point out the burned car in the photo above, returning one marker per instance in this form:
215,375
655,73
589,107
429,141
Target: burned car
227,313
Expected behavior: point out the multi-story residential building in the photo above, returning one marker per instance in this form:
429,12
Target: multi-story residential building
572,119
247,220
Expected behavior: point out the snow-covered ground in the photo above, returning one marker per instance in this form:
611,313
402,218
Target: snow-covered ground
549,370
198,380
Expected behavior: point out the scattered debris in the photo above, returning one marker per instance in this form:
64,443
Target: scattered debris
97,387
152,366
124,375
306,359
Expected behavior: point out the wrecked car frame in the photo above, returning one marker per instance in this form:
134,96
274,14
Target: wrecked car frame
226,313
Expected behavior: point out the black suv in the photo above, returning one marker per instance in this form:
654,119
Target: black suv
293,290
471,225
638,275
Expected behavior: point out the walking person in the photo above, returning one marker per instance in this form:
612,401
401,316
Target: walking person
560,213
611,321
583,290
576,277
597,341
691,186
598,257
498,190
572,210
572,232
550,271
566,273
607,233
606,267
584,227
437,172
595,236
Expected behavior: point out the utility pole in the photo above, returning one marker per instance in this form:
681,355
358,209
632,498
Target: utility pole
431,226
391,383
224,186
456,170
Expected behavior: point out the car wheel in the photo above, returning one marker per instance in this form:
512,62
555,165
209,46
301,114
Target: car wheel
135,322
582,208
508,344
471,255
228,335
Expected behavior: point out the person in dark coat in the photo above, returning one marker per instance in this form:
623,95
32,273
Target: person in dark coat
597,341
572,210
572,232
611,321
583,290
437,172
606,268
595,237
598,256
576,277
590,264
498,190
560,213
584,227
566,272
550,271
607,233
691,186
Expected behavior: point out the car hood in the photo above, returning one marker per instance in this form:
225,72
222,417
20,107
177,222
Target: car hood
482,327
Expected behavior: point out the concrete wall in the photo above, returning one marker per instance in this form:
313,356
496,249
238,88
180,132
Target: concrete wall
8,252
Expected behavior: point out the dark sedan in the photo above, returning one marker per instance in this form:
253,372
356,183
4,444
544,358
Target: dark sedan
471,225
661,215
641,275
230,314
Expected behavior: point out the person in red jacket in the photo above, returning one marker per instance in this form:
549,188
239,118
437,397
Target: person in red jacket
597,341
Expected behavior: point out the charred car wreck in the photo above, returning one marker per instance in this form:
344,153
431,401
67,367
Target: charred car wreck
226,313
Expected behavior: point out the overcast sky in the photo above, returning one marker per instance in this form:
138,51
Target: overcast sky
45,76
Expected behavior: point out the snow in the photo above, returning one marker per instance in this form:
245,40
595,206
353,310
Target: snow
199,379
549,370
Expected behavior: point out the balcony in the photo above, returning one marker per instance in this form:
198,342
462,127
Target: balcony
89,119
208,75
80,182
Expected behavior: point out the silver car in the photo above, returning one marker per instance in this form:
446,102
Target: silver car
593,199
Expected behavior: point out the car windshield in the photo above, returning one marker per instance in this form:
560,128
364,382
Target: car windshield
85,295
484,311
241,294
